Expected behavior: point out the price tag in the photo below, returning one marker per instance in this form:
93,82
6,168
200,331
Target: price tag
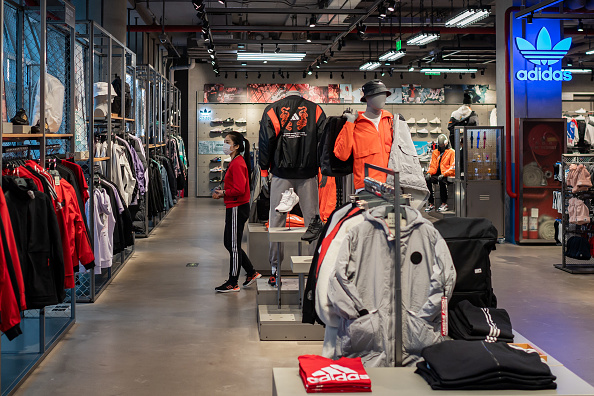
444,316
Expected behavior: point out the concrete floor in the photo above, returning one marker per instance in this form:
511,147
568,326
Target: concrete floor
160,329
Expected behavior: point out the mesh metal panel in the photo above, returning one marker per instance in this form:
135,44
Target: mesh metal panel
10,56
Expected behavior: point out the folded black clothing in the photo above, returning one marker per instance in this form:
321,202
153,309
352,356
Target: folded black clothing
484,321
458,331
459,359
497,383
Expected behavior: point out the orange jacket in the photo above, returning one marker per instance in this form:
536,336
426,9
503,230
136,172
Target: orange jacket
367,144
326,195
447,163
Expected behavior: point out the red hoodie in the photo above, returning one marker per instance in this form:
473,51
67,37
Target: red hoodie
237,183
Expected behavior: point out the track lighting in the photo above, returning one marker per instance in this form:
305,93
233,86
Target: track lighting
211,48
309,71
265,62
246,75
304,74
529,19
259,75
383,73
382,11
205,27
580,27
316,75
342,75
213,54
307,37
277,49
361,29
318,64
324,59
197,4
392,5
243,64
206,37
312,21
331,75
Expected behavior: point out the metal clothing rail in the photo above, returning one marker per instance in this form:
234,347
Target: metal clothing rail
391,193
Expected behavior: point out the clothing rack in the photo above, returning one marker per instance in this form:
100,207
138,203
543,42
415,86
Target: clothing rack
387,193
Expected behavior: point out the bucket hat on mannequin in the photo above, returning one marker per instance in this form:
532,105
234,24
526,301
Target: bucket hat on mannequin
374,87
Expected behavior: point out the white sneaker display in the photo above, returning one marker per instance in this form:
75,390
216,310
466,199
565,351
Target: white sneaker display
217,130
217,121
581,111
411,121
288,201
240,121
436,120
422,121
241,130
436,130
424,130
413,130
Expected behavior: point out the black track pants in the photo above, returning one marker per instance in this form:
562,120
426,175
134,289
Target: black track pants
235,219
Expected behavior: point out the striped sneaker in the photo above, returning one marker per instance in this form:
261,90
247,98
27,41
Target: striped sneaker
250,279
227,287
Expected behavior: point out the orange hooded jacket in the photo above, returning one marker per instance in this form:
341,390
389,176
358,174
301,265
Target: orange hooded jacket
447,163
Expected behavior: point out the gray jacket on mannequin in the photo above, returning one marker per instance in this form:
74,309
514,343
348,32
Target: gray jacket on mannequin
361,289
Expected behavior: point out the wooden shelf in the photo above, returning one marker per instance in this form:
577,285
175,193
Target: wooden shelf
35,136
156,145
115,118
99,159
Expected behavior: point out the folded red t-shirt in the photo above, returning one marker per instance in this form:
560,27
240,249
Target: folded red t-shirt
320,374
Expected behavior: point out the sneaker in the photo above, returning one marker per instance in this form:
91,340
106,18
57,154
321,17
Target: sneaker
20,118
216,130
227,130
229,121
217,121
436,120
241,121
215,159
288,201
436,130
422,121
413,130
430,208
411,121
581,111
443,208
216,180
227,287
424,130
37,129
241,130
217,169
313,230
272,281
249,280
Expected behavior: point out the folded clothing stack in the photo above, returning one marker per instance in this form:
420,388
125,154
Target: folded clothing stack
323,375
467,365
467,322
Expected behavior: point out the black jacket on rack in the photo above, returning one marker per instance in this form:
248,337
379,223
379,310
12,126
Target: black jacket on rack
156,198
38,240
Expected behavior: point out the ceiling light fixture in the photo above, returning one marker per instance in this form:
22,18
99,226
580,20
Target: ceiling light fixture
468,17
307,37
205,27
312,21
265,62
448,70
590,52
259,75
277,49
392,6
371,65
361,30
392,55
309,71
382,12
197,3
423,38
283,56
529,19
222,2
578,71
342,75
580,27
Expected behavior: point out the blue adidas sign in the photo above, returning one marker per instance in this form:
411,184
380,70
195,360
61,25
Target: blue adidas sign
543,53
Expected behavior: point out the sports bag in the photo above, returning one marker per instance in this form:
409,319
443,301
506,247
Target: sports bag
470,241
329,164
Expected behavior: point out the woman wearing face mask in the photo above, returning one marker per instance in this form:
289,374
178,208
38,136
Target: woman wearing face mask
442,166
236,194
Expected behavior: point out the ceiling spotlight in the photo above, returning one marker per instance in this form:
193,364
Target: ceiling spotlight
243,64
235,74
304,74
331,75
265,61
312,21
318,64
259,74
226,74
324,59
569,62
246,75
365,75
580,27
222,2
213,62
402,76
307,37
411,67
197,3
382,12
392,5
206,37
529,19
361,30
205,27
277,49
383,73
316,75
309,71
213,54
342,75
273,75
460,76
211,48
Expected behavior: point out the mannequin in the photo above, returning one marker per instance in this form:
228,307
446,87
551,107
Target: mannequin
464,116
442,166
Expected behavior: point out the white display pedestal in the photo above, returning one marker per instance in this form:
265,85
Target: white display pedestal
258,248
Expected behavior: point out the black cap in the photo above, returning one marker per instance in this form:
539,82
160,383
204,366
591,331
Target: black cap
467,98
374,87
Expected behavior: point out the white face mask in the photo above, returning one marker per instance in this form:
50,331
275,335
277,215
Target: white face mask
227,149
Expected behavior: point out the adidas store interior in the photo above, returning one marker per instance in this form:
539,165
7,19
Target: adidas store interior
282,198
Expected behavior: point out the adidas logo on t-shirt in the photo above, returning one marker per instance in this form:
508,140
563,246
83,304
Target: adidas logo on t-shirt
334,372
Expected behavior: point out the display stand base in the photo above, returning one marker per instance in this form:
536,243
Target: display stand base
258,248
576,268
284,324
7,127
268,295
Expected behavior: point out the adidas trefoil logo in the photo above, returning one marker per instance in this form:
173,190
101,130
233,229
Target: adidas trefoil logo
335,372
543,54
205,111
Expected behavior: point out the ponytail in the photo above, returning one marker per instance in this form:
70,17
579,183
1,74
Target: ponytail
244,148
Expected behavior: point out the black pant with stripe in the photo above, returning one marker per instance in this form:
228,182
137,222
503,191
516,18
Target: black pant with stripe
235,219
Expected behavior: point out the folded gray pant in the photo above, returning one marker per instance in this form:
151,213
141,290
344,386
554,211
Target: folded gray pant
307,190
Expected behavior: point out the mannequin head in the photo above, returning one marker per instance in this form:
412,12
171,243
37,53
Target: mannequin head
375,94
376,102
442,143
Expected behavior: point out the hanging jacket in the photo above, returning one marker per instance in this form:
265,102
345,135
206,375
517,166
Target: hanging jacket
326,195
367,145
361,289
54,103
11,250
121,172
405,160
296,157
104,230
464,116
37,236
9,306
447,166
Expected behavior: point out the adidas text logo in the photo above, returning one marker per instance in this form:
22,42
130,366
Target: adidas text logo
543,54
334,372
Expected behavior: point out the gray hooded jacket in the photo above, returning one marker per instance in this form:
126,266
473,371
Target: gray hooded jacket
363,281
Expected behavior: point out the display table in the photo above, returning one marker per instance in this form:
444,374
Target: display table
402,381
300,265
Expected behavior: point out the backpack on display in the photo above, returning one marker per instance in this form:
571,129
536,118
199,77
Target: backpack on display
578,248
329,164
470,241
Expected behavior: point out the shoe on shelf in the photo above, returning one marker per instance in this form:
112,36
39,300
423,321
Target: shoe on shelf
422,121
241,130
288,201
20,118
215,159
217,169
429,208
436,120
37,129
250,279
413,130
272,280
229,121
216,130
227,130
436,130
241,121
216,180
443,208
313,230
424,130
411,121
581,111
217,121
227,287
